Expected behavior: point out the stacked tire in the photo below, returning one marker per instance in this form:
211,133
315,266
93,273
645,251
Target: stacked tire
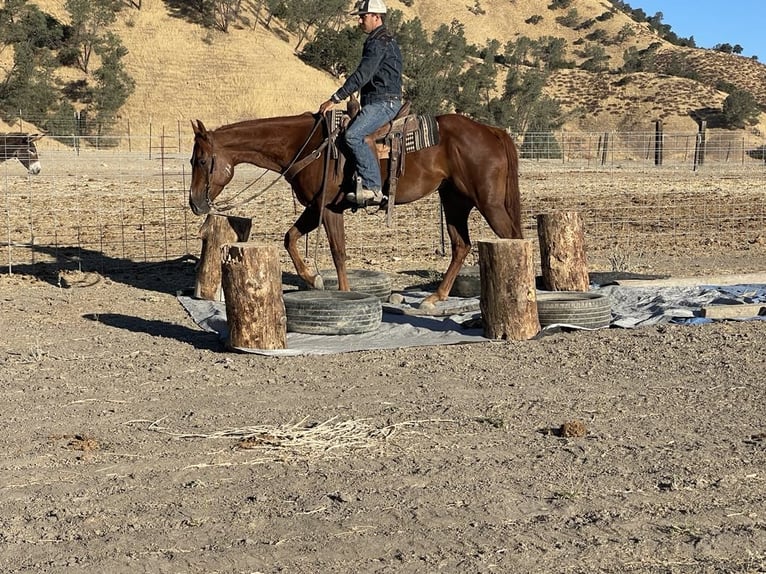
374,283
332,312
577,308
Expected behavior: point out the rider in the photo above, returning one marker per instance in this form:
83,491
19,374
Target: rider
378,78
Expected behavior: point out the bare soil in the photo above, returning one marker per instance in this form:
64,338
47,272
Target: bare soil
134,441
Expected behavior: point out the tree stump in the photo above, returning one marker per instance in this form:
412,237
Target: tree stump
508,298
216,231
252,285
562,251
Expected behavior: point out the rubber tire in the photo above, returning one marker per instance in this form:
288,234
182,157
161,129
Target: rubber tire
374,283
467,283
332,312
578,308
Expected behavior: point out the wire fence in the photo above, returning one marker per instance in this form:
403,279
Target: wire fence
108,207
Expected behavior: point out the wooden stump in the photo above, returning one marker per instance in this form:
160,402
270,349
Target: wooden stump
252,285
562,251
216,231
508,297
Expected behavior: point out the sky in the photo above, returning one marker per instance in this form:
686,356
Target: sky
714,22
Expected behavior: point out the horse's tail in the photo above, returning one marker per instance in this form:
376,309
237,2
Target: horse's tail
512,194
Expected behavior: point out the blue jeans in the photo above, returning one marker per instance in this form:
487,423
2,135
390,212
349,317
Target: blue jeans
370,118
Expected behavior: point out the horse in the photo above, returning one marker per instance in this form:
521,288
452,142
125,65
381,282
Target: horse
22,147
474,165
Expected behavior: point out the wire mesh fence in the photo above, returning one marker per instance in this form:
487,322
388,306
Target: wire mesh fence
109,207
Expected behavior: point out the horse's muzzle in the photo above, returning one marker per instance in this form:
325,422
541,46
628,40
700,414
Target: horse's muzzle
199,209
35,168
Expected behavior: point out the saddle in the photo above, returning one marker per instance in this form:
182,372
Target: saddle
404,134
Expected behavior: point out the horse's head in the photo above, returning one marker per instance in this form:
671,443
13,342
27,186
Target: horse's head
211,170
22,147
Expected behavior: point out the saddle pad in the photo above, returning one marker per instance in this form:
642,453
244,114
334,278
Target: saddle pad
425,136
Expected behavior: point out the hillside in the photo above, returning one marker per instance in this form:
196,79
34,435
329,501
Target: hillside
183,71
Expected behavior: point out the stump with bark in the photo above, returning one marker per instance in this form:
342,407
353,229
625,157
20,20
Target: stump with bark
252,286
216,231
562,251
508,296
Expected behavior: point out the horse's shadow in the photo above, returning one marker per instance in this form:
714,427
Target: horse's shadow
169,276
174,276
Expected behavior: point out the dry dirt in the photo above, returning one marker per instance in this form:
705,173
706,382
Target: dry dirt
133,441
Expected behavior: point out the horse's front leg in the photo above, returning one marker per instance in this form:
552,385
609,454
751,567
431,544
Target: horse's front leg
336,237
306,223
457,228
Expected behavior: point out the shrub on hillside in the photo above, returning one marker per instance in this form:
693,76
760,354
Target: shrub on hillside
740,108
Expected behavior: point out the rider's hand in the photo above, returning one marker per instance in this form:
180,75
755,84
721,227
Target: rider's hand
325,106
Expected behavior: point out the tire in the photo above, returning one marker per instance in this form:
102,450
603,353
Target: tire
577,308
374,283
332,312
467,283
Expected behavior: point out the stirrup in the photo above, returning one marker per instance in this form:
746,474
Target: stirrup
366,197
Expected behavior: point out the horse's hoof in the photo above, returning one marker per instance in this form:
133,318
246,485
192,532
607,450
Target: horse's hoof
318,283
427,306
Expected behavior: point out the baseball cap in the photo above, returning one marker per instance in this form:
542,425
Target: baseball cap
369,7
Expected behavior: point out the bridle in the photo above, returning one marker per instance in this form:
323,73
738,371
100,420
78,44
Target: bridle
292,169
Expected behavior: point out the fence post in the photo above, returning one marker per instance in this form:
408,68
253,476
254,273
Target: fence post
658,140
699,150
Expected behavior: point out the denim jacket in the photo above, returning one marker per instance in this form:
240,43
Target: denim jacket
379,74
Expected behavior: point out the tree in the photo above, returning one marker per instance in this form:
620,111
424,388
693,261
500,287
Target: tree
336,52
551,53
28,86
740,108
305,15
477,83
523,105
433,68
224,12
113,84
596,58
89,20
28,89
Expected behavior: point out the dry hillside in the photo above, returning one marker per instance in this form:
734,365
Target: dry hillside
184,71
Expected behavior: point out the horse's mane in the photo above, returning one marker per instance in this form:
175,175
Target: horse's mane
255,122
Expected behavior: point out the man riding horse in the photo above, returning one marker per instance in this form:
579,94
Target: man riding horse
378,79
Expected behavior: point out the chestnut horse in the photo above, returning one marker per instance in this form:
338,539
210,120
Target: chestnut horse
473,165
22,147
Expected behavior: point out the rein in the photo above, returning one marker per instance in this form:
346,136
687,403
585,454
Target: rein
293,168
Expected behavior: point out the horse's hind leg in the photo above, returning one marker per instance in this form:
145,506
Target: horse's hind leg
306,223
456,211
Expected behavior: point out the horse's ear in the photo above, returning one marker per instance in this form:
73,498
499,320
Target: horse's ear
199,128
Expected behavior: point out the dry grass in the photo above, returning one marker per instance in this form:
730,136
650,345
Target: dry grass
305,438
184,72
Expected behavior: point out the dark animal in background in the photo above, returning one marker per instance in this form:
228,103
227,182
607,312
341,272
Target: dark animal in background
21,146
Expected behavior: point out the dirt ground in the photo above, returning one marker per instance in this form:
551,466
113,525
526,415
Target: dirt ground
134,441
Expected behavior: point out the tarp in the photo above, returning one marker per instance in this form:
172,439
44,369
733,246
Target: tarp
399,328
458,320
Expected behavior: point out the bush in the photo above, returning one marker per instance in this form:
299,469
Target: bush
758,153
540,146
740,108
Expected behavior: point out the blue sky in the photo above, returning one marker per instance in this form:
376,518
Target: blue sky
714,22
